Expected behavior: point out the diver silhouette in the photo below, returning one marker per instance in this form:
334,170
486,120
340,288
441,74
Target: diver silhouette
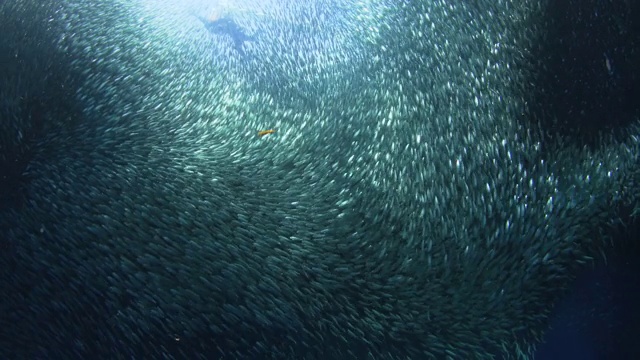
226,26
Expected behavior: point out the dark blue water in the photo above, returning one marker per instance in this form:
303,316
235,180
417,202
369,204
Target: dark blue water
599,318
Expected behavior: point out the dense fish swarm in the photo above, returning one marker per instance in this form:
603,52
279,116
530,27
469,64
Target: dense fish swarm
405,207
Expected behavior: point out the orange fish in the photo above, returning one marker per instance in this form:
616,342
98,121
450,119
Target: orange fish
265,132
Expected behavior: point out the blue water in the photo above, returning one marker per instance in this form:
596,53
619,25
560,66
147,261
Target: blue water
599,319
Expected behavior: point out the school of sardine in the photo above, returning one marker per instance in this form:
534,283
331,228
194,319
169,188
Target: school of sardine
396,205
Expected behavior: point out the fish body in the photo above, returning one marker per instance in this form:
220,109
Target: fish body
265,132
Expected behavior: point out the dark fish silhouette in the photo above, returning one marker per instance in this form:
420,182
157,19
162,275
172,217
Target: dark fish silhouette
226,26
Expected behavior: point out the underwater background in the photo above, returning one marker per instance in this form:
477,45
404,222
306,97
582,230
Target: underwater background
331,179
